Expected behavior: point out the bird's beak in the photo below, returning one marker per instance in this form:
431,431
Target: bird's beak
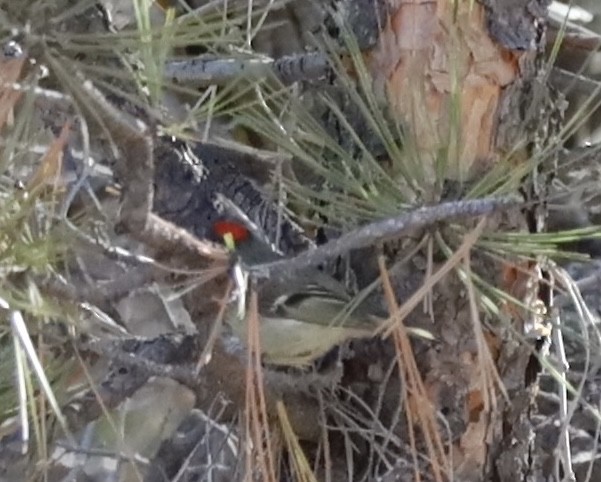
230,243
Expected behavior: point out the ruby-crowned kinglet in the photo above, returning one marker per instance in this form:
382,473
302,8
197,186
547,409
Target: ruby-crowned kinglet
301,318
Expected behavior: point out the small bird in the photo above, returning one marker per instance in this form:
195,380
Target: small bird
301,319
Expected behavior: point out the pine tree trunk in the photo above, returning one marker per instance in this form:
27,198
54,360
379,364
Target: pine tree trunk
485,61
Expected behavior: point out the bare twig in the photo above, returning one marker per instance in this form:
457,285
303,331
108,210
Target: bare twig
564,438
151,358
100,294
257,421
160,234
381,230
567,81
579,156
575,36
593,280
135,170
568,409
209,70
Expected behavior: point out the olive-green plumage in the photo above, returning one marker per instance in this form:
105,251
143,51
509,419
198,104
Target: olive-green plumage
301,318
300,322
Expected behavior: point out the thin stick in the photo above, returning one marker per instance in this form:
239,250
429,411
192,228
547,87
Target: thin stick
375,232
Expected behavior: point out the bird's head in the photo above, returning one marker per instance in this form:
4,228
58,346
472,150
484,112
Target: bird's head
247,242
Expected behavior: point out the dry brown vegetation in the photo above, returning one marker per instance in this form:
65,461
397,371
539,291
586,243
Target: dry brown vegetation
418,153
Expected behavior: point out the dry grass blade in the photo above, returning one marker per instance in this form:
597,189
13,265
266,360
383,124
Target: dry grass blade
417,403
50,167
20,374
488,371
468,241
419,408
300,464
259,440
10,72
205,356
20,333
484,377
586,320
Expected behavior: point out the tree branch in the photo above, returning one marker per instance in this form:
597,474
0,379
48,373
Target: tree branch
380,230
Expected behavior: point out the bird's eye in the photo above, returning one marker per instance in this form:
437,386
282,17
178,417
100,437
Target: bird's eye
236,230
